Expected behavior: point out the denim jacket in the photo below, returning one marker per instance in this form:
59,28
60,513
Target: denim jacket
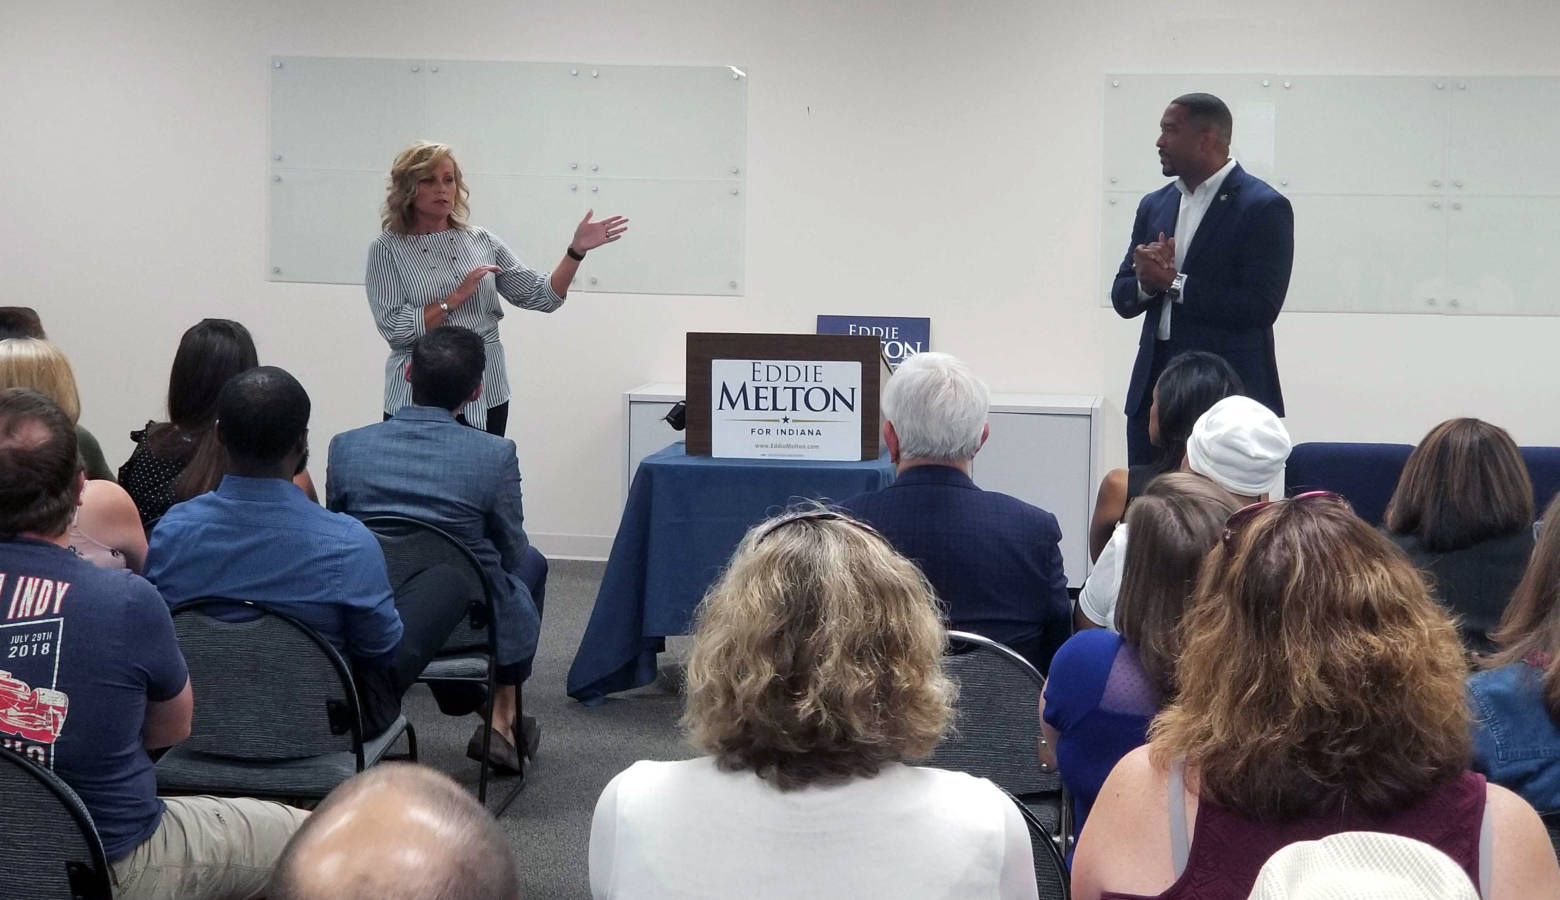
1515,742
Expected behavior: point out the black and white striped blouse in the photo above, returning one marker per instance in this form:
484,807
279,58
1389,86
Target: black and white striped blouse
407,272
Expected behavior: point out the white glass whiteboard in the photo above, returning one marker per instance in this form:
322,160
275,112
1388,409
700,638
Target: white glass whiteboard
538,143
1429,194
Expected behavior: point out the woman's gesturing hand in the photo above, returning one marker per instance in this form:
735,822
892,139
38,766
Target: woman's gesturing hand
589,235
468,285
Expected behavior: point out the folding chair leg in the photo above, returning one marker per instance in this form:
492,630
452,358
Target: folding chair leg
411,742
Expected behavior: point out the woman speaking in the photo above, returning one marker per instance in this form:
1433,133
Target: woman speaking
430,268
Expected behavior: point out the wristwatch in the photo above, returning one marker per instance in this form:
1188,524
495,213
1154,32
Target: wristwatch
446,307
1174,290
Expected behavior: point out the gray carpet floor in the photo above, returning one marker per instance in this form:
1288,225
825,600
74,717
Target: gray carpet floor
581,749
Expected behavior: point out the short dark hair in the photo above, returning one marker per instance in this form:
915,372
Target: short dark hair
447,365
1209,112
20,322
38,464
1190,385
1466,482
211,352
262,414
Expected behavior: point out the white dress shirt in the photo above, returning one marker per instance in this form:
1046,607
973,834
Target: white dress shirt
1097,600
1194,206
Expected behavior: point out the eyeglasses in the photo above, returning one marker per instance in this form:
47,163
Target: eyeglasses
821,514
1243,516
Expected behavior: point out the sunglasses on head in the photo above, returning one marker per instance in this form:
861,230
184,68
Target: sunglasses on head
1241,517
818,515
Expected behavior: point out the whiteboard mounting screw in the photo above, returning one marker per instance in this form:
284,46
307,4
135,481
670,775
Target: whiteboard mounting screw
1435,182
1462,85
277,64
1265,82
277,157
733,192
433,68
574,71
732,283
1286,85
594,74
1113,179
1457,184
1456,206
276,178
416,68
1439,86
1113,201
574,187
592,279
594,188
735,170
1435,204
1453,303
574,165
1115,83
1430,301
1284,183
276,270
594,167
736,76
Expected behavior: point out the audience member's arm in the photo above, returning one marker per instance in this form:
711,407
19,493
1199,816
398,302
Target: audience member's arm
306,484
1126,846
168,721
1018,857
1097,600
373,624
603,840
1110,504
108,515
505,523
1524,861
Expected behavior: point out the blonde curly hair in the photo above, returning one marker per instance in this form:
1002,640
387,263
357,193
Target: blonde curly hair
410,166
817,655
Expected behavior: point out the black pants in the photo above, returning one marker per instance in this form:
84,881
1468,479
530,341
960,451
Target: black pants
431,603
497,419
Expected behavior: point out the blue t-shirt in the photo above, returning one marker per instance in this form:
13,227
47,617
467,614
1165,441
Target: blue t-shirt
1100,701
263,540
85,648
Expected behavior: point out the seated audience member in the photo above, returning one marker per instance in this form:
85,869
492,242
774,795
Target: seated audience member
814,674
1237,444
397,832
995,561
1463,512
104,681
423,464
211,352
1516,702
35,363
258,538
1104,687
104,528
1190,384
1362,865
1319,690
20,322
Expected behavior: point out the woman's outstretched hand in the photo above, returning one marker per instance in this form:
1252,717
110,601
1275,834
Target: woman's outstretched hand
589,235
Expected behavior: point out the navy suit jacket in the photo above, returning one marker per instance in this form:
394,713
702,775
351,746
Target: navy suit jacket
1237,273
423,464
995,561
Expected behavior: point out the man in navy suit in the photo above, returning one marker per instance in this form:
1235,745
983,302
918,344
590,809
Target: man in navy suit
995,561
424,464
1209,263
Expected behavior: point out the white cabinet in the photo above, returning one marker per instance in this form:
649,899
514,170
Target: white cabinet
1043,449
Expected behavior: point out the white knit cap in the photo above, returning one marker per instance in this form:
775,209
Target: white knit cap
1240,445
1362,865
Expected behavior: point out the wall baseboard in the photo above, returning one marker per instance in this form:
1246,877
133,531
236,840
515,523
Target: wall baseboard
573,546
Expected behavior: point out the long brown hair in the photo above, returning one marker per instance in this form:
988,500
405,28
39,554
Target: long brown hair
1465,483
1170,529
410,165
1530,626
1316,672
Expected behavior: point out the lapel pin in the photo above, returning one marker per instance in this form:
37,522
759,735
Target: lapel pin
1223,197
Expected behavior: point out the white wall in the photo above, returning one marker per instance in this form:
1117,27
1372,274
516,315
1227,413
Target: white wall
913,158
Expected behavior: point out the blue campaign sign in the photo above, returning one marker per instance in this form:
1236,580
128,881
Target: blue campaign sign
901,336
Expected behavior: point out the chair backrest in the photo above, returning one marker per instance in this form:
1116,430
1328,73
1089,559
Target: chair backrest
269,687
412,546
996,728
52,849
1051,873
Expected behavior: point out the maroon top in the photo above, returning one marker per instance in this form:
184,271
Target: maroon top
1228,850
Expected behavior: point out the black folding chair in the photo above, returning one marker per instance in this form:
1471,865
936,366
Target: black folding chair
470,654
996,730
52,851
277,714
1052,877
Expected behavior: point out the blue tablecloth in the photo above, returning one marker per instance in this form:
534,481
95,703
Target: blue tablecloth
684,517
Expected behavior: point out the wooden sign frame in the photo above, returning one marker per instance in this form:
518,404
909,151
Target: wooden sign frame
705,346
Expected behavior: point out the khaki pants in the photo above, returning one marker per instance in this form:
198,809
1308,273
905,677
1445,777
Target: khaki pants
208,848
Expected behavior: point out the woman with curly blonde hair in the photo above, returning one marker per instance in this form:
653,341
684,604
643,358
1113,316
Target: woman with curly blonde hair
816,671
1319,691
430,268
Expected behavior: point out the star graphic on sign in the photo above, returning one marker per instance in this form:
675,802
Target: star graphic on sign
785,420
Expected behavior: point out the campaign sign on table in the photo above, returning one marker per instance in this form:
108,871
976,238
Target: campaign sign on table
785,409
901,336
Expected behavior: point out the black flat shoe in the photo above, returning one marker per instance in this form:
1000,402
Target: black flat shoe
530,732
502,755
